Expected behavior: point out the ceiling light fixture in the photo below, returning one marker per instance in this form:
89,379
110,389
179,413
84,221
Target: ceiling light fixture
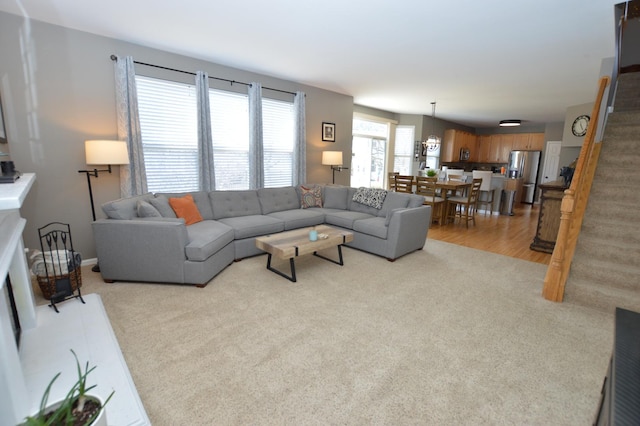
433,142
509,123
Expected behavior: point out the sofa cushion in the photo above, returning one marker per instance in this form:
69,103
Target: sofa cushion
335,197
374,226
234,203
253,225
415,201
144,209
201,198
161,203
345,219
392,201
186,208
310,196
372,197
125,208
278,199
299,218
206,238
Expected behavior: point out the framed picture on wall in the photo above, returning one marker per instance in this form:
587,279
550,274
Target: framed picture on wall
329,132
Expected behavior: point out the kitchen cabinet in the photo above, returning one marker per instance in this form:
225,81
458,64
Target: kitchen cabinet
453,141
499,149
483,149
551,194
528,141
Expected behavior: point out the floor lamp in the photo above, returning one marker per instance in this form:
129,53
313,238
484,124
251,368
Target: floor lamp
333,159
103,153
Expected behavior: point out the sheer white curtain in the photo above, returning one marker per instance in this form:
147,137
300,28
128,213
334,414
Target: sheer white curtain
133,178
256,155
206,173
300,141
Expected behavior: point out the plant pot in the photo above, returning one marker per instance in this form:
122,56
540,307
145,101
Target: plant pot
101,420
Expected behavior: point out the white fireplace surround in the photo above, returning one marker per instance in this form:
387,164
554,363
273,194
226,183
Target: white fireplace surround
47,337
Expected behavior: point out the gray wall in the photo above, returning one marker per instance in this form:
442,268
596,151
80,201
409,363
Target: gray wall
57,87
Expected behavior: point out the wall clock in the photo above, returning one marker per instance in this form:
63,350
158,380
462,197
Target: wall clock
579,126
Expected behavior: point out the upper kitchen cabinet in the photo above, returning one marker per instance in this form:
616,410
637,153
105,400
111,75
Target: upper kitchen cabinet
484,149
500,147
528,141
453,142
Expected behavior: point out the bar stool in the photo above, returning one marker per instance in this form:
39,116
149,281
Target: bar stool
485,189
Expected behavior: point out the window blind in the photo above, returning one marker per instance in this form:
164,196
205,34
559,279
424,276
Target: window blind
168,115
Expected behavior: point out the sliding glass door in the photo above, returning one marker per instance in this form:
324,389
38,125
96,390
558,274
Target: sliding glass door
367,164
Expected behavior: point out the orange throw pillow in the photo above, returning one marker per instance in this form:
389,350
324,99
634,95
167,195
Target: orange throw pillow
186,209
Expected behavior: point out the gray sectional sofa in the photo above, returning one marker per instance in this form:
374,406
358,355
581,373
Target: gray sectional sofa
143,240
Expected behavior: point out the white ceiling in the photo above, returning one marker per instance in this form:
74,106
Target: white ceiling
481,61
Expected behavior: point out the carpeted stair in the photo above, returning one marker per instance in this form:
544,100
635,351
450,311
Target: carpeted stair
605,272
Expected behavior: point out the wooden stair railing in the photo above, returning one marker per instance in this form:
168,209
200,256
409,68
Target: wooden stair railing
573,206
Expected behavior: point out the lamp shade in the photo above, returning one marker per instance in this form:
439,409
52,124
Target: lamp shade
332,158
106,152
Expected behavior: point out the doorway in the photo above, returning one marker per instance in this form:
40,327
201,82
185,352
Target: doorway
368,161
550,168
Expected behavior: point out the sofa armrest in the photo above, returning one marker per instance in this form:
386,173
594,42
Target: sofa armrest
408,230
140,249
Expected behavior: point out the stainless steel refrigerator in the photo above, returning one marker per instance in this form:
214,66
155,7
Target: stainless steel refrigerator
525,165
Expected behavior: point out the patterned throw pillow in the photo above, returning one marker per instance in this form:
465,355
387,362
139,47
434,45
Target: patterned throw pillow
370,196
310,197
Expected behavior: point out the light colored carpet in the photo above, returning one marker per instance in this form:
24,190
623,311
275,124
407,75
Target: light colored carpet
447,335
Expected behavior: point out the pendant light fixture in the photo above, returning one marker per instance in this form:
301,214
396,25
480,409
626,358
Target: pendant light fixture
433,142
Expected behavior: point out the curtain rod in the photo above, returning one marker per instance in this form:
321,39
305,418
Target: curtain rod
232,82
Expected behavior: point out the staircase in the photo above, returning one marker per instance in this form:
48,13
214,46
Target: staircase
605,271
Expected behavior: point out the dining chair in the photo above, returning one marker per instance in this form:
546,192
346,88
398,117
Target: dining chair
426,186
485,196
464,207
392,180
404,183
455,174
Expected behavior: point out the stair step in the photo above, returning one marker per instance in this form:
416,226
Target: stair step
613,191
617,174
619,252
590,268
623,118
599,297
599,227
604,210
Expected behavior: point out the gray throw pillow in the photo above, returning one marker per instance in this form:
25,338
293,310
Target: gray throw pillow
161,203
145,209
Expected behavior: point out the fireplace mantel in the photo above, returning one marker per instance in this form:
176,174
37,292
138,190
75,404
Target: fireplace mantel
13,263
85,327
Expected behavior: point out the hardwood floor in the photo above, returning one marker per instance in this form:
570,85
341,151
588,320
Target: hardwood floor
507,235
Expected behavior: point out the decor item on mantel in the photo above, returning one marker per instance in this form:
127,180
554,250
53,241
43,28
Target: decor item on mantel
329,132
433,142
76,408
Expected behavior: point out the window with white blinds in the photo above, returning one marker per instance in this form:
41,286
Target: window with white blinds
403,152
230,134
278,138
168,121
168,115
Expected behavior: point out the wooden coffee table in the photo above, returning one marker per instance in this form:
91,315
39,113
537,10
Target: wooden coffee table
291,244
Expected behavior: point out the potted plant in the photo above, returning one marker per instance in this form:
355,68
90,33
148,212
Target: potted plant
432,172
77,408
